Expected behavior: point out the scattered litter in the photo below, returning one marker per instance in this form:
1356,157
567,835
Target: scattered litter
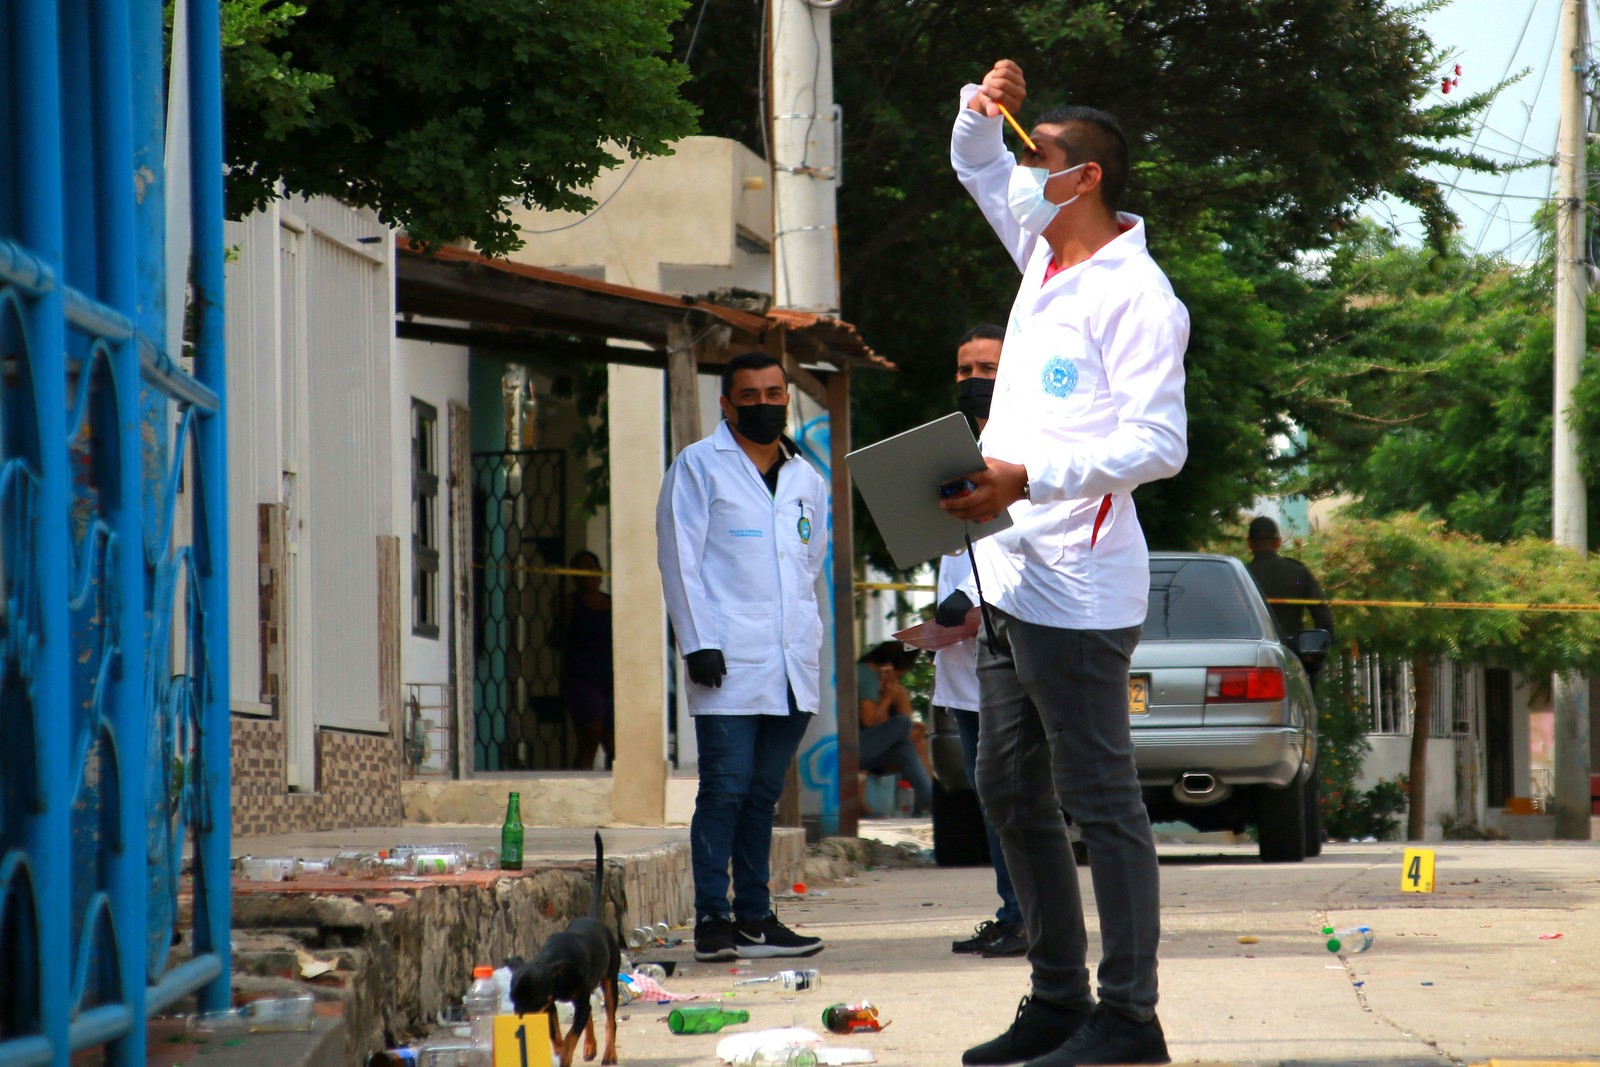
744,1048
310,966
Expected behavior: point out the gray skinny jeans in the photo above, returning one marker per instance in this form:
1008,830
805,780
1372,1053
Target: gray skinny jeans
1055,735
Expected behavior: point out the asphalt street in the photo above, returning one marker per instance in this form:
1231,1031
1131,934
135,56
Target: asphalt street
1500,964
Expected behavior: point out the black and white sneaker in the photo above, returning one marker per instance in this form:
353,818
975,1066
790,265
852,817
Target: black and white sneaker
714,939
768,938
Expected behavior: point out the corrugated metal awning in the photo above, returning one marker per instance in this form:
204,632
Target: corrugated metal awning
498,295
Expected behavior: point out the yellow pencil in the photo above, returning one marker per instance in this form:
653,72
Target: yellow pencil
1022,133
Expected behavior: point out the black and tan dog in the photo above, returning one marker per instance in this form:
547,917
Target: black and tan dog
568,967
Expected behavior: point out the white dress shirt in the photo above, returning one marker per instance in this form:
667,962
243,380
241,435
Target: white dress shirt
955,667
1089,399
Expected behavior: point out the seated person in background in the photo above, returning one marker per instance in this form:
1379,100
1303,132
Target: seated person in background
889,733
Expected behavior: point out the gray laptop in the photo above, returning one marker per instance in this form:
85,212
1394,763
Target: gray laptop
899,478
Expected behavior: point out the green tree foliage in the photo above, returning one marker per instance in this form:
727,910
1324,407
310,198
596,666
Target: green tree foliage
440,115
1258,127
1425,385
1407,558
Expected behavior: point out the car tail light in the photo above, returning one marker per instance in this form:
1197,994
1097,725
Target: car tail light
1240,685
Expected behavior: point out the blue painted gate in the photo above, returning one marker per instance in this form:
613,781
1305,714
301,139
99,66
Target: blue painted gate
114,736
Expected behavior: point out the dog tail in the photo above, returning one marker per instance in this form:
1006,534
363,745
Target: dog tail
599,876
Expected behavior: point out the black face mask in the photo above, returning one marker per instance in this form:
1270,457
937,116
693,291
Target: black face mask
761,423
973,396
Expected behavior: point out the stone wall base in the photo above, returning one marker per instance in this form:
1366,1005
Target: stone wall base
404,950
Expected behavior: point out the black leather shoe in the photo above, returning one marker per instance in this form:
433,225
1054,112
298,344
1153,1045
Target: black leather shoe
1110,1037
1039,1027
1006,941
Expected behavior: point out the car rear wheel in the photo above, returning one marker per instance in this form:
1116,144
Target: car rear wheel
1281,823
1313,805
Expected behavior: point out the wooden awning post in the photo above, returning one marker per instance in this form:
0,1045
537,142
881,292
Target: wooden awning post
683,388
844,599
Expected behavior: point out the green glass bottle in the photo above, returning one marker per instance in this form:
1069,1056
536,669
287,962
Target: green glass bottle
511,836
704,1019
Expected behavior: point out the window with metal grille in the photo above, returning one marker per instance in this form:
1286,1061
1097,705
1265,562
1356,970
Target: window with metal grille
424,519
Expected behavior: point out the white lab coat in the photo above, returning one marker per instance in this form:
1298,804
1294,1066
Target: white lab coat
1089,399
739,568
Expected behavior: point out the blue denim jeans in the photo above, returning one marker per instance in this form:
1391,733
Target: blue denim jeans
743,762
888,744
1010,912
1056,736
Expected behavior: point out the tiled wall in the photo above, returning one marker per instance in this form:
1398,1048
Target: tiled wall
358,778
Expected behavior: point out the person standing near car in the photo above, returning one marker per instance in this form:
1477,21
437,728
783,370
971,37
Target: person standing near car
742,530
1282,578
955,667
1088,405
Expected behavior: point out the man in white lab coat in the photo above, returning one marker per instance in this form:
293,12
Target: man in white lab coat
742,531
1088,405
955,667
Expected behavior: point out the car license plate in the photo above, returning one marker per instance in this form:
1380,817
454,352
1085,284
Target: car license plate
1138,694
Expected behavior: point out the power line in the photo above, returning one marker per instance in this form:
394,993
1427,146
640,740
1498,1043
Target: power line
694,36
1538,91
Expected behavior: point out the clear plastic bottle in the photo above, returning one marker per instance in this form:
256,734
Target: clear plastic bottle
798,981
259,1016
481,1003
1351,940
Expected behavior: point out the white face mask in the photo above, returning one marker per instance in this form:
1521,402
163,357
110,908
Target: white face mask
1025,196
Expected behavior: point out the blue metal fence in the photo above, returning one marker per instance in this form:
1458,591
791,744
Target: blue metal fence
114,743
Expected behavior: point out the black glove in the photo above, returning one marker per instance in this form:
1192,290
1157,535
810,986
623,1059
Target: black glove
952,610
706,667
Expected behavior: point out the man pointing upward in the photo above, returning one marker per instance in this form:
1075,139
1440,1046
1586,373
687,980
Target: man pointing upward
1088,405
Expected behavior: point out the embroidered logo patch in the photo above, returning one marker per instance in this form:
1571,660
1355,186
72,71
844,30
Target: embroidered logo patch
804,526
1060,376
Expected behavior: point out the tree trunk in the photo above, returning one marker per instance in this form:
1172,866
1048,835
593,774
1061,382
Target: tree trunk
1417,810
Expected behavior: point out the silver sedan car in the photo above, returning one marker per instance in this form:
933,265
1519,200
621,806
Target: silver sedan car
1224,723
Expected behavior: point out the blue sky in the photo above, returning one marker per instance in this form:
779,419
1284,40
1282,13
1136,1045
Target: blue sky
1493,39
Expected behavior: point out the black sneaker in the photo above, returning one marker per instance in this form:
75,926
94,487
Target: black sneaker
1039,1027
982,934
1006,941
714,939
1110,1037
768,938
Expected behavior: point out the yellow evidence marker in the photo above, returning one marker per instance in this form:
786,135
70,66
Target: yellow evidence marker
522,1040
1416,872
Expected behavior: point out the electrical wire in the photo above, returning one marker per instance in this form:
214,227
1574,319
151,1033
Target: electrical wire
1532,105
694,36
1504,74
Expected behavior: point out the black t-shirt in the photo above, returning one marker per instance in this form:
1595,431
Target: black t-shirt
1281,577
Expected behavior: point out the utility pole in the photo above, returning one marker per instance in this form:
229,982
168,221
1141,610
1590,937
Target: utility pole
1570,691
804,157
805,167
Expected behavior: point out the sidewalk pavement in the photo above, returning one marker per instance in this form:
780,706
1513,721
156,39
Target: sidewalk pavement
1501,965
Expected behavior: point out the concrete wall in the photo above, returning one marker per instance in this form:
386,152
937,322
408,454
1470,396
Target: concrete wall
1391,757
691,222
435,375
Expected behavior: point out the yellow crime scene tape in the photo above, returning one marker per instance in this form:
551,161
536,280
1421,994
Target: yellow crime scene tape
574,571
1335,602
1450,605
